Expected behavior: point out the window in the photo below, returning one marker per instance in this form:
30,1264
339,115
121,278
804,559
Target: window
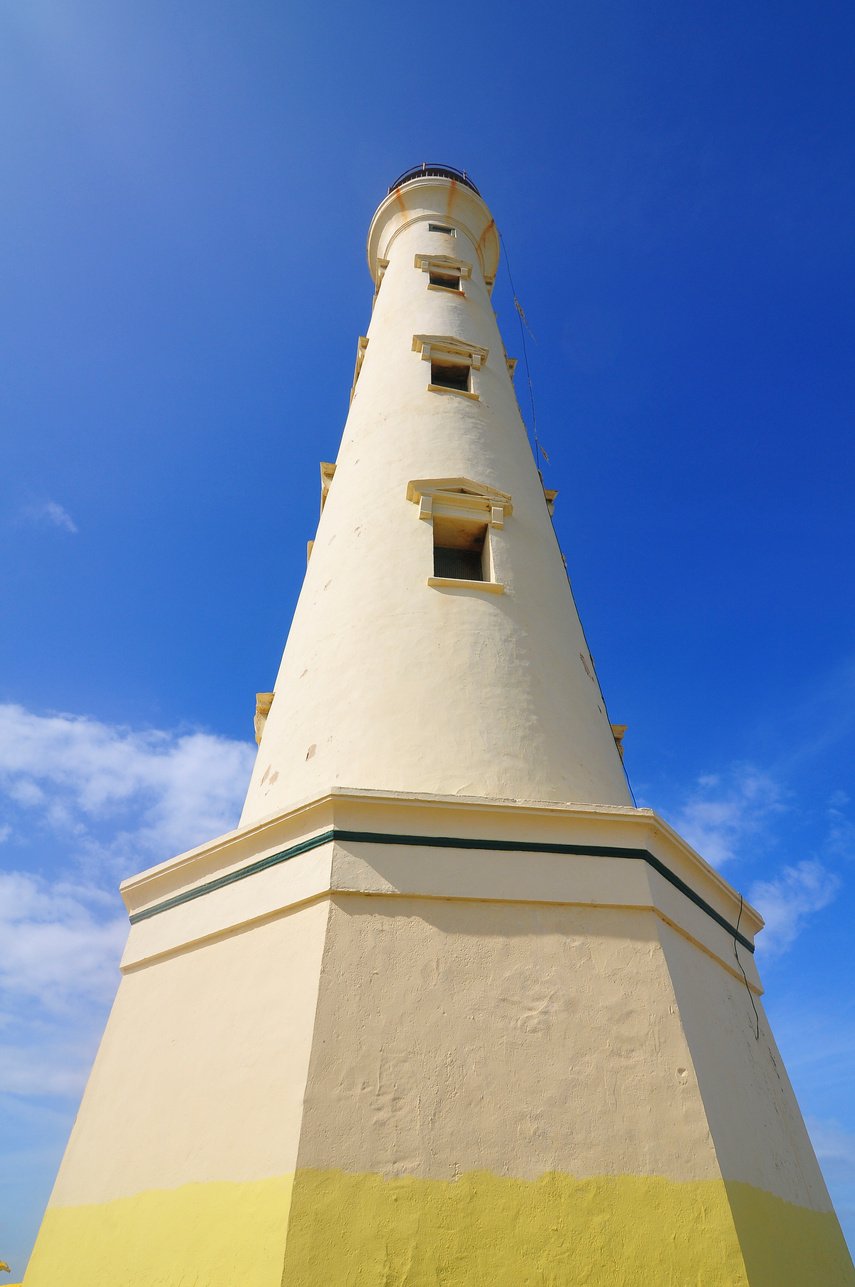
444,272
458,549
452,362
448,281
451,375
440,227
466,519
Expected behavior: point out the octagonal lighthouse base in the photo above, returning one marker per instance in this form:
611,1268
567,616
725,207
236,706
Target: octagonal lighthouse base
390,1040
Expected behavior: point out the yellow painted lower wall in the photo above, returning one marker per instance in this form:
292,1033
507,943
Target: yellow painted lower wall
787,1245
199,1235
481,1230
611,1231
485,1231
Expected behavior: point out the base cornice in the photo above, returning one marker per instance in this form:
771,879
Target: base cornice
388,843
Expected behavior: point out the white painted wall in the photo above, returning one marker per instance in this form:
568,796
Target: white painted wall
507,1038
202,1068
386,682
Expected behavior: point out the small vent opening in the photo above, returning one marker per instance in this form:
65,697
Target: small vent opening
440,227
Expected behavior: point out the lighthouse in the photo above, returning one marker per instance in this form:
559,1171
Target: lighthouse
446,1009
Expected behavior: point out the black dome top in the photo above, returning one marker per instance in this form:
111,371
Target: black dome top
428,170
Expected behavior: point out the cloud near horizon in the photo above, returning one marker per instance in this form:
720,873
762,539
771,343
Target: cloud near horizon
52,514
834,1146
724,810
120,796
788,900
733,816
82,804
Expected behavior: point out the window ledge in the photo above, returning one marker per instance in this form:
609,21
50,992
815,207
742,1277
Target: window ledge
448,290
458,393
455,583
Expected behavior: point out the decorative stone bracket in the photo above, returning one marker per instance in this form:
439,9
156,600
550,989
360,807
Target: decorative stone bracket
445,348
461,498
444,264
327,475
618,733
361,346
263,702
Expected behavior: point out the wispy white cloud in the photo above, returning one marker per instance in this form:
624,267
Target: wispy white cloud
818,719
124,796
841,828
834,1144
835,1148
49,1063
52,514
82,803
58,944
58,971
735,817
787,901
724,810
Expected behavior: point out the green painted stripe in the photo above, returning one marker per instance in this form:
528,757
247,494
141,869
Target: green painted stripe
536,847
241,873
444,842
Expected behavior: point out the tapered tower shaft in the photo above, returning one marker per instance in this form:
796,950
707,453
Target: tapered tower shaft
393,677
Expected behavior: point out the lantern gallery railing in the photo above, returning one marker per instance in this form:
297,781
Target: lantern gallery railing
427,170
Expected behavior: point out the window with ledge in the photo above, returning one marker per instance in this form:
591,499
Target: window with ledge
451,375
444,272
447,281
465,517
441,227
458,549
453,363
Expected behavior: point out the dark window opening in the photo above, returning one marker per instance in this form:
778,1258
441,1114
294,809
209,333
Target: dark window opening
450,375
458,549
440,227
459,565
450,281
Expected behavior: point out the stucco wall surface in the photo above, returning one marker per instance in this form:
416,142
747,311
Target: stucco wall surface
188,1130
509,1094
461,1036
444,690
400,1091
759,1134
209,1235
482,1230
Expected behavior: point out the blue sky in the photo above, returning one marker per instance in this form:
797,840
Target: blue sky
187,191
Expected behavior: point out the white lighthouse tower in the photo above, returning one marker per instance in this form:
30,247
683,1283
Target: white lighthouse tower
446,1010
